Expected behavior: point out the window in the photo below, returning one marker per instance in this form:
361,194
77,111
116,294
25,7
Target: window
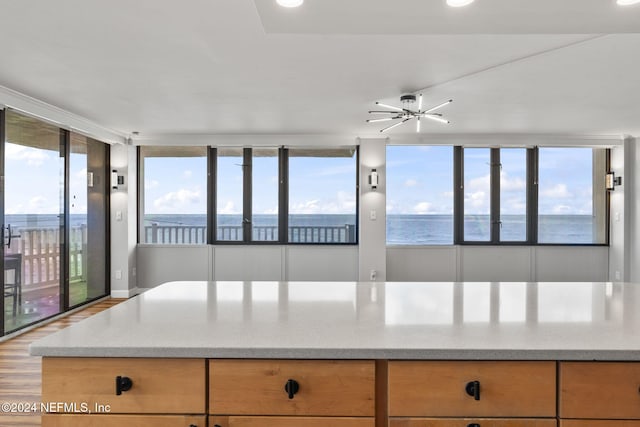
229,194
494,195
572,202
265,188
477,194
173,195
322,195
419,195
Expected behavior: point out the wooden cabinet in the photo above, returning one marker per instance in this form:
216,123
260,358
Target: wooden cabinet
160,386
598,423
599,390
244,421
472,389
123,421
322,388
466,422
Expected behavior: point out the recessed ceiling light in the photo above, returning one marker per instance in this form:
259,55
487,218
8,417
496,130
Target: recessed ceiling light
290,3
459,3
627,2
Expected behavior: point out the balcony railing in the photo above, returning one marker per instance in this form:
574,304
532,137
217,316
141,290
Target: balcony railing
40,250
197,234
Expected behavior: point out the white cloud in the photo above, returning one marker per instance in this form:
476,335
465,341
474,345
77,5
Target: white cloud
561,209
479,184
148,185
187,174
229,208
176,200
410,183
272,211
512,184
342,203
558,191
423,208
33,156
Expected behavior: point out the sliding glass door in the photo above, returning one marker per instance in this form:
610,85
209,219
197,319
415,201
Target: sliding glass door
54,205
33,220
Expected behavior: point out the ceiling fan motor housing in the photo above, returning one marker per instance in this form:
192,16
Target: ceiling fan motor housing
408,98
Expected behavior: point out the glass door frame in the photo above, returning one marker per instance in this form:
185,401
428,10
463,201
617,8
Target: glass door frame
65,232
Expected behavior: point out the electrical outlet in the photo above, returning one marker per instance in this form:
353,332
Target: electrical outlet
373,275
118,274
618,275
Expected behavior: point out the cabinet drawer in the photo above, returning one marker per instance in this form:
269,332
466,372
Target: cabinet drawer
123,420
290,422
442,389
599,390
257,387
161,386
598,423
466,422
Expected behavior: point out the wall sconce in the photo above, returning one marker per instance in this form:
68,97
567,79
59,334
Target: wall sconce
116,179
611,180
373,179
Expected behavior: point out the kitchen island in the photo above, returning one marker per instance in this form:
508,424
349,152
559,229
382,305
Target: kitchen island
242,354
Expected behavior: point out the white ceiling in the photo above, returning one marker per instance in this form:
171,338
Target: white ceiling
245,67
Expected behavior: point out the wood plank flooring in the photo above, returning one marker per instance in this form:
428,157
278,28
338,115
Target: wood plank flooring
20,377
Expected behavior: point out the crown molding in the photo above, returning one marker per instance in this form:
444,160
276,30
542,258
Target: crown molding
58,117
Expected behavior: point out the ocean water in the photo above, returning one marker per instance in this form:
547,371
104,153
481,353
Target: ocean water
423,229
401,229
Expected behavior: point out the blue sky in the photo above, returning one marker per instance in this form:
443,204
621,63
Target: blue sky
419,182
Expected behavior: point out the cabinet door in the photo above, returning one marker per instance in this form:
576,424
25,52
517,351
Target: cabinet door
323,388
604,390
159,386
60,420
241,421
475,422
472,389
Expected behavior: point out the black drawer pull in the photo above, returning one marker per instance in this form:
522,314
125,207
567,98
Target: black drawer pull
473,389
291,387
473,425
123,384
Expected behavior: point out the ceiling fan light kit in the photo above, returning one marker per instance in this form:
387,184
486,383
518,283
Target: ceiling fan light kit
407,113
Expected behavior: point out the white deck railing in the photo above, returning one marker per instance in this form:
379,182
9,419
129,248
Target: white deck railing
197,234
40,250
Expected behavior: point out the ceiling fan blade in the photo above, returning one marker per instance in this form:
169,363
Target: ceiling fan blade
437,106
436,118
382,112
385,119
394,125
418,125
420,102
389,106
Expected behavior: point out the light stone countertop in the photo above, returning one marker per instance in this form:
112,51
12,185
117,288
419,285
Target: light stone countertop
349,320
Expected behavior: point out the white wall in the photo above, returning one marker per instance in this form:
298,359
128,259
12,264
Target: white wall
158,264
497,263
619,210
123,223
373,217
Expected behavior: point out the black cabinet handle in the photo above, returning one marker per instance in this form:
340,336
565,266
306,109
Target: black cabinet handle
291,387
473,425
123,384
473,389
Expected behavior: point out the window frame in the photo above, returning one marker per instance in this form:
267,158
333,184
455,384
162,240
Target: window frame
247,200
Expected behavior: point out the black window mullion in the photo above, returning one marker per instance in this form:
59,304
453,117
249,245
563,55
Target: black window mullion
212,219
458,195
65,148
283,195
532,196
246,195
495,195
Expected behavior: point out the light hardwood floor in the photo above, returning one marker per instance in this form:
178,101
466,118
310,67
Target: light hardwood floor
20,378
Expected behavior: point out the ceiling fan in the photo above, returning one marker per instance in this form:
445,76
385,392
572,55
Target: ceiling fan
406,113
